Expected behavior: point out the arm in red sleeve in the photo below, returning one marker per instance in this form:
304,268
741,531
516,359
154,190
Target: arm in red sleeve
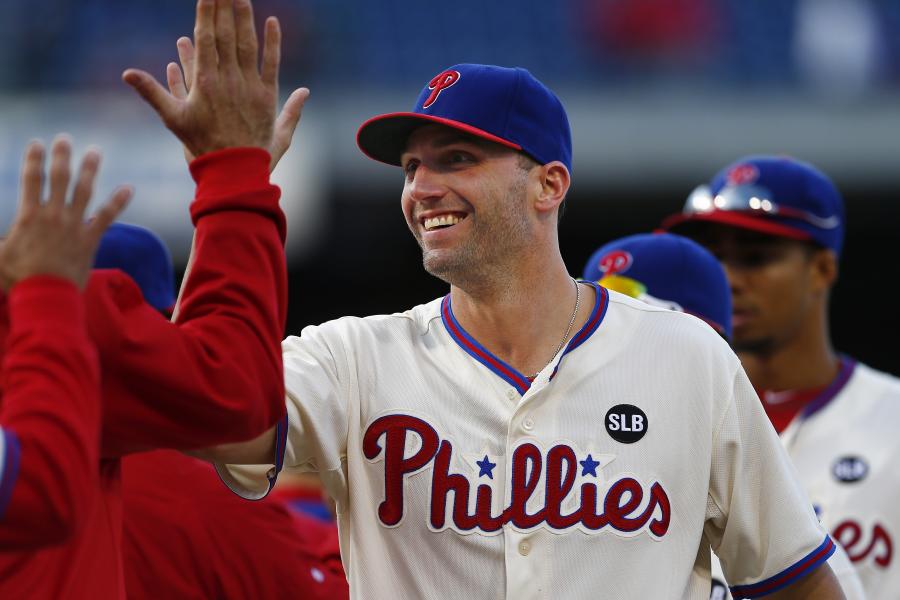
215,376
49,416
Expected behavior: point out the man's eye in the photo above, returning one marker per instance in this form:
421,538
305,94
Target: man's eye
410,168
753,259
459,157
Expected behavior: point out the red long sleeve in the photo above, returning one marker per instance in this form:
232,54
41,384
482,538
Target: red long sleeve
49,416
215,376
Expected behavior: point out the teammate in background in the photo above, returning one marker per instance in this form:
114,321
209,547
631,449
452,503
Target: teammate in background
50,398
191,538
777,226
215,375
140,254
473,445
672,271
665,270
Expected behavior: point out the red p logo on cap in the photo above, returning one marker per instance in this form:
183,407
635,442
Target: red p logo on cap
743,175
616,261
440,83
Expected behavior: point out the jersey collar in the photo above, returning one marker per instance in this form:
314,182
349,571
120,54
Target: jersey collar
848,365
505,371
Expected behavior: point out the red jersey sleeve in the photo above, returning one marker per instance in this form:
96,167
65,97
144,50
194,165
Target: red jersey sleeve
215,375
49,416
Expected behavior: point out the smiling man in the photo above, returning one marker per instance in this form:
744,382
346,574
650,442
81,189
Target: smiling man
777,226
527,435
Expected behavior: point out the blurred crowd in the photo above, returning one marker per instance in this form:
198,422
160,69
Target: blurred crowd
836,46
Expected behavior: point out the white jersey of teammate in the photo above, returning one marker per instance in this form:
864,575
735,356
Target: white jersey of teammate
845,447
612,473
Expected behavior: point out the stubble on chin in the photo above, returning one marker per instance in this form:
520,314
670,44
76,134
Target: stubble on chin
759,346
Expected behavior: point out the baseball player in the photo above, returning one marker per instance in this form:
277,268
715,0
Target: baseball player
50,398
235,549
669,270
215,375
777,226
528,436
665,270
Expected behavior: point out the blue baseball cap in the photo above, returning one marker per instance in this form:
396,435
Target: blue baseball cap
666,270
776,195
141,255
508,106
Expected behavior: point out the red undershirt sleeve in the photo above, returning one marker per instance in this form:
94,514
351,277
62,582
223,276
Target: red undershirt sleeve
49,416
215,375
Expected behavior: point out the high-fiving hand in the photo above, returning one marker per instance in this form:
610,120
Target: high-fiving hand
224,98
52,237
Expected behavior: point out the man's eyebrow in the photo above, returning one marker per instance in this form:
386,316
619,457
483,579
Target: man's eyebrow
448,139
451,138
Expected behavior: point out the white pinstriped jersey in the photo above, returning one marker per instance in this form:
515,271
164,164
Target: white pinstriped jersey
637,449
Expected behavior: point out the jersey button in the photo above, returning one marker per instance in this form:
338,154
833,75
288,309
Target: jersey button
512,394
524,548
528,424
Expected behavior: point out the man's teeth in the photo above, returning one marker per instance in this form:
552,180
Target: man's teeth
441,221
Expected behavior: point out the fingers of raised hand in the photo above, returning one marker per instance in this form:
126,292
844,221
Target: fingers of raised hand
60,172
247,42
84,184
286,124
226,37
175,81
205,57
32,178
106,215
186,58
271,52
164,103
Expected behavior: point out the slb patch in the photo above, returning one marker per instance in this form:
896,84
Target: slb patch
850,469
626,423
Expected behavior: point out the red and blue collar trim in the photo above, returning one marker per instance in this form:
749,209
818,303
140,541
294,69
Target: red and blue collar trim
508,373
848,366
802,567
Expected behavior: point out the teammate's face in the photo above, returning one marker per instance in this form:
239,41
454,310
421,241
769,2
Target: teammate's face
774,283
465,202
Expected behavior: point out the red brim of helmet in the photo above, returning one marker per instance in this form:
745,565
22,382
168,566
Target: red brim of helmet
736,219
383,138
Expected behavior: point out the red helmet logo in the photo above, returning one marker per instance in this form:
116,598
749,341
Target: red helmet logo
614,262
440,83
742,175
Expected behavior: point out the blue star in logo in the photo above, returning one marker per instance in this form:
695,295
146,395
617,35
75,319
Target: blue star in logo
486,467
589,466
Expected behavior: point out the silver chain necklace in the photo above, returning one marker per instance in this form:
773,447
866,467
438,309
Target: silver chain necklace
568,329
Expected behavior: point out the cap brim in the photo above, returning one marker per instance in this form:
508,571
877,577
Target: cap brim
736,219
383,138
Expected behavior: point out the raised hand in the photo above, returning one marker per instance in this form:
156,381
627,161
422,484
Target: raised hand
225,98
179,79
52,237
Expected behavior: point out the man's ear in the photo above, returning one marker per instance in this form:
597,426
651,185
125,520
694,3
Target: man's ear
824,269
554,182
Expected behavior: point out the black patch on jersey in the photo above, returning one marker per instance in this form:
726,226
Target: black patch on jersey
626,423
850,469
719,590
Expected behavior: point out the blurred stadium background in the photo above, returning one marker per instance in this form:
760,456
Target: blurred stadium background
660,94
